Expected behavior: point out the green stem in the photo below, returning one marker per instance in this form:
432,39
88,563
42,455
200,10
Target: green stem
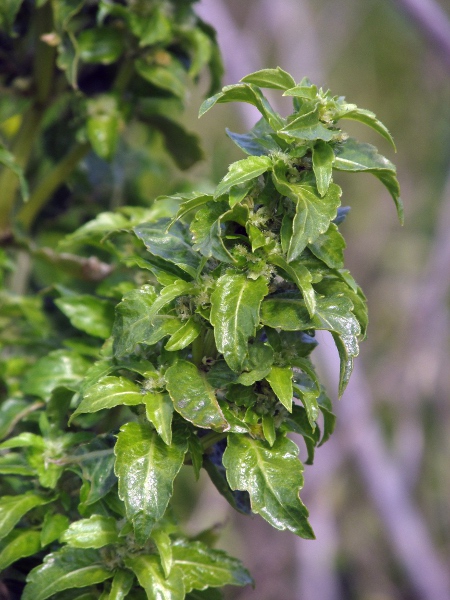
50,184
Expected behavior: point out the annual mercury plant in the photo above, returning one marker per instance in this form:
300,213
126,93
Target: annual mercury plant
208,365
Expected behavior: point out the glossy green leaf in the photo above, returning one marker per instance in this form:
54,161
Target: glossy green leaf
187,333
193,396
313,213
268,427
273,477
59,368
334,314
203,567
95,532
280,379
207,234
151,577
367,117
164,546
235,305
109,392
243,170
169,245
102,45
245,92
271,78
88,313
146,468
357,157
52,527
159,411
137,324
63,570
13,508
121,584
329,247
307,390
18,544
298,422
323,159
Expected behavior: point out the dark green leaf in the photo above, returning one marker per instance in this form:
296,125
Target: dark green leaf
257,365
169,245
194,397
151,577
100,45
272,477
146,468
63,570
209,594
323,159
88,313
258,141
207,234
169,77
235,305
16,545
271,78
183,146
203,567
95,532
355,156
313,213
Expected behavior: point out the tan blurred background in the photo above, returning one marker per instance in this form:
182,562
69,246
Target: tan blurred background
379,490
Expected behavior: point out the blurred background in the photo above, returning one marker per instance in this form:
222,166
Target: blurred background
379,490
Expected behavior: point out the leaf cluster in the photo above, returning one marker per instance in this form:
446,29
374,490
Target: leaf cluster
194,350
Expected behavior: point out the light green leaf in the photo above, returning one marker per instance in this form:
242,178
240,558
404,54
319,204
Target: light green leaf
109,392
120,585
159,411
52,527
136,324
152,578
169,245
95,532
8,160
18,544
187,333
351,111
245,92
280,379
323,159
164,545
203,567
307,127
242,171
301,277
355,156
235,305
103,124
59,368
88,313
313,213
308,92
329,247
13,508
146,468
333,313
66,569
272,477
193,397
271,78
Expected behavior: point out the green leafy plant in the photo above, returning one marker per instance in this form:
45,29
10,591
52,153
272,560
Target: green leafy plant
190,345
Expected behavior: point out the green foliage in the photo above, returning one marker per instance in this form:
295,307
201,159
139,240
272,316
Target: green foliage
187,340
